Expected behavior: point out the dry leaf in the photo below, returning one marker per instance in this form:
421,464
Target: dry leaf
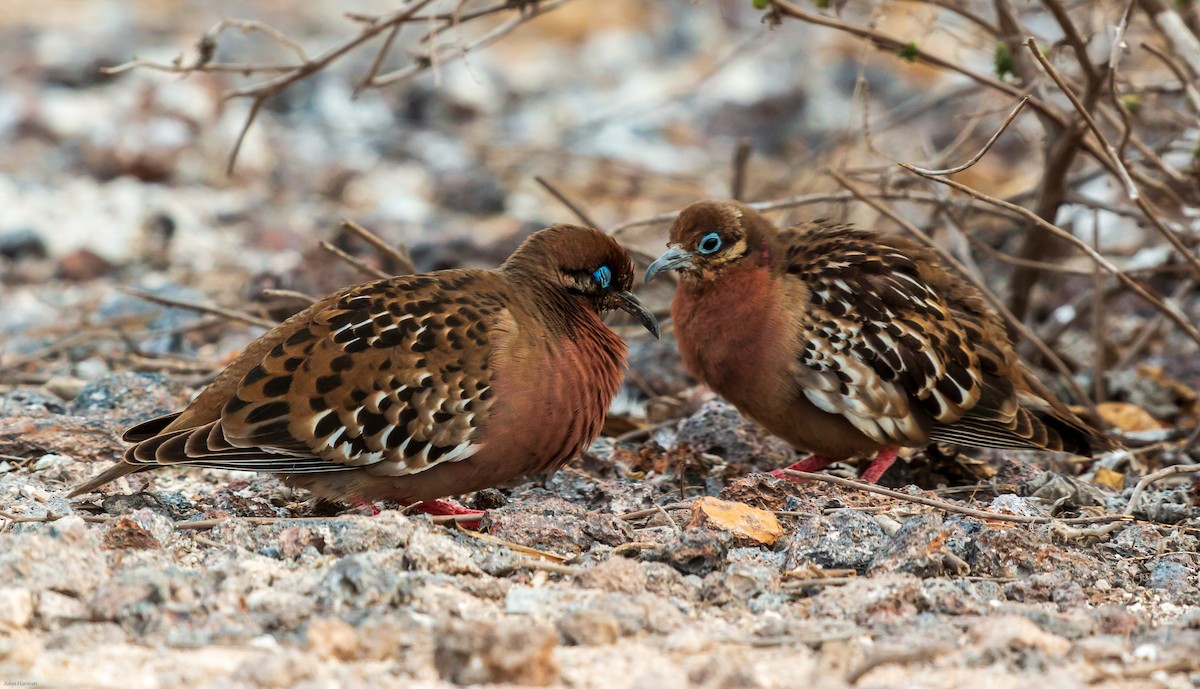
1130,418
747,524
1109,479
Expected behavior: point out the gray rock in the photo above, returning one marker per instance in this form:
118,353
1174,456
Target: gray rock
26,401
720,430
128,398
920,547
696,551
483,652
590,626
843,539
1172,575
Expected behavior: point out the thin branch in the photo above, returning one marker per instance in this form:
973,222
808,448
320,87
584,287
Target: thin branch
1130,187
237,145
270,87
377,62
435,55
226,67
1155,476
206,524
399,256
1189,88
1075,40
957,8
289,294
949,506
230,314
564,200
986,147
913,196
286,75
1170,312
1186,45
252,26
741,158
917,54
357,263
1097,317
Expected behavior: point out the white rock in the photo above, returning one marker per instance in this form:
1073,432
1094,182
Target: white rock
55,607
16,607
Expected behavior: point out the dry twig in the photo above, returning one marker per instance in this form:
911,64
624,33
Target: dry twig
1012,115
1156,301
362,266
399,256
949,506
388,25
229,314
1154,476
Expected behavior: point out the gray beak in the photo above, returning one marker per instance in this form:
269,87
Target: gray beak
630,305
673,258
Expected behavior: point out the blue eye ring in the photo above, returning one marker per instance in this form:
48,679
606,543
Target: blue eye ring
709,243
603,276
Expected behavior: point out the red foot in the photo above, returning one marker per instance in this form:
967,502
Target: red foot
883,461
441,507
370,508
810,463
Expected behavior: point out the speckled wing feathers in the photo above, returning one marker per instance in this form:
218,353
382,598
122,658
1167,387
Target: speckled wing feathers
909,352
391,375
878,344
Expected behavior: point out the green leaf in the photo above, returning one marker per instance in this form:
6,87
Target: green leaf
909,51
1132,103
1003,61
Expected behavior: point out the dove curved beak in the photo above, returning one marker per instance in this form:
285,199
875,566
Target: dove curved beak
673,258
630,305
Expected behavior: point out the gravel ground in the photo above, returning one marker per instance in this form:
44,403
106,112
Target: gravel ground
665,557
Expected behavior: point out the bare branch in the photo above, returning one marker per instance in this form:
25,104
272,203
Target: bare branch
571,205
1186,45
202,308
1130,187
1169,311
949,506
1155,476
741,158
986,147
286,75
1189,88
370,270
399,256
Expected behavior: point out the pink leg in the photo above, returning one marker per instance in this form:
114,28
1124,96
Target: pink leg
809,463
883,460
441,507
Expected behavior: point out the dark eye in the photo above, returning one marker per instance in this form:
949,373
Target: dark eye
603,276
709,243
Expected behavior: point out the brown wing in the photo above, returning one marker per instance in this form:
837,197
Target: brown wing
908,352
879,346
390,375
1015,410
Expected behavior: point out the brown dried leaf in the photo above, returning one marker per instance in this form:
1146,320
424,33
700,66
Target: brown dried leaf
1109,479
1128,417
747,524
